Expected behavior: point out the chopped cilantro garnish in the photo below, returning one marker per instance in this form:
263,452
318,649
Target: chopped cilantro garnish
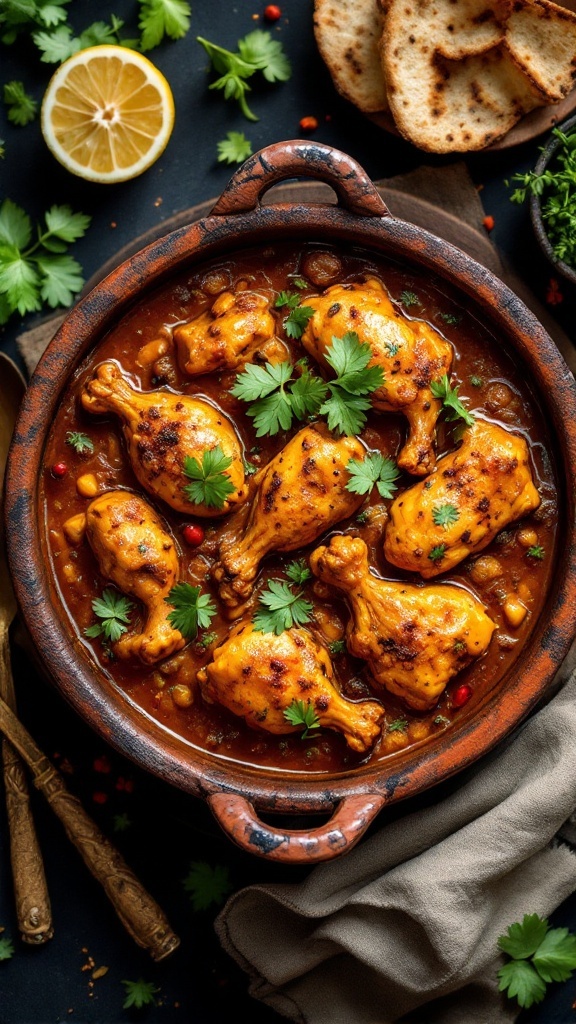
373,469
448,395
300,713
445,515
437,553
191,609
210,485
113,610
281,608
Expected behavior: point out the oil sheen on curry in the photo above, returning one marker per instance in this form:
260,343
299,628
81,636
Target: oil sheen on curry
300,507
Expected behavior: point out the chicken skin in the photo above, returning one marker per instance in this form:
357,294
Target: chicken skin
225,336
297,496
475,492
415,639
258,676
162,429
410,352
134,550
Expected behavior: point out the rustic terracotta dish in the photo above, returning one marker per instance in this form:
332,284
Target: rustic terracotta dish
239,794
545,159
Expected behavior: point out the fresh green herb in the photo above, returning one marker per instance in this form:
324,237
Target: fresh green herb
60,44
113,610
556,187
191,609
21,107
290,299
298,282
346,408
249,468
363,517
208,639
437,553
445,515
79,442
475,381
121,822
142,549
450,318
280,608
2,150
6,948
398,725
139,993
337,647
374,468
160,18
409,299
441,720
297,320
300,713
276,397
458,646
207,885
449,397
17,16
257,51
234,148
33,273
539,954
210,485
535,551
392,348
298,572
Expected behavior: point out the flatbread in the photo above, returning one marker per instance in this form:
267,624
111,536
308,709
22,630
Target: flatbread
454,28
347,34
447,106
541,38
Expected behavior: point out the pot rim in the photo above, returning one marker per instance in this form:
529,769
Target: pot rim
130,730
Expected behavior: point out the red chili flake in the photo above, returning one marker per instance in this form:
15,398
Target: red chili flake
99,797
488,223
102,764
554,296
193,535
272,12
59,469
308,124
461,696
124,784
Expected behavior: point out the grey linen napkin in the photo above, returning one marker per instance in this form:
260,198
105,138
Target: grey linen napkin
405,926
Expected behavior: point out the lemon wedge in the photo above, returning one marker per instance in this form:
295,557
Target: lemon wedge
107,114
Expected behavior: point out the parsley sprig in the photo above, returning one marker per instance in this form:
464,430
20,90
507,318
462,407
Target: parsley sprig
192,610
40,271
113,610
21,107
373,469
281,608
348,403
210,484
538,955
452,405
298,572
257,51
556,187
276,395
234,148
300,713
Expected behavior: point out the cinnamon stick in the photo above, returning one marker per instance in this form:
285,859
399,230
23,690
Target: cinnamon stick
140,914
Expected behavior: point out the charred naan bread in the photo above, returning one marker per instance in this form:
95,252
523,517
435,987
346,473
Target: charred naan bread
347,35
541,39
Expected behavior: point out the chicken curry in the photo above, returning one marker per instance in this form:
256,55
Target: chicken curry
301,507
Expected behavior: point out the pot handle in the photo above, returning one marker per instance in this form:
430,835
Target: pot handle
266,168
347,825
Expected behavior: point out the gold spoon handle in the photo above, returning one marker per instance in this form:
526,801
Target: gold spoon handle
139,913
30,890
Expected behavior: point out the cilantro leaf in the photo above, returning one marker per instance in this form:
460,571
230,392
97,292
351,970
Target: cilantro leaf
451,403
445,515
345,413
257,382
297,320
398,725
191,609
437,553
555,957
139,993
207,885
409,299
6,948
121,822
256,52
113,609
280,608
159,18
307,393
522,939
298,572
56,46
275,397
62,223
373,469
210,485
535,551
337,647
300,713
234,148
520,981
15,225
79,442
290,299
266,54
347,405
21,107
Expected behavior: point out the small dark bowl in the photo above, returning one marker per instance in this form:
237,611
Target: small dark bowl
546,157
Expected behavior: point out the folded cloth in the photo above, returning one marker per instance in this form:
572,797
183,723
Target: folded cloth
405,926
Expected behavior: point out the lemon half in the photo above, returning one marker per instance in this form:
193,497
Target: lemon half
107,113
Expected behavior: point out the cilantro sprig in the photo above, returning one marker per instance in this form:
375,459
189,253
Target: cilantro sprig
538,955
21,107
234,148
452,405
445,515
281,608
298,572
210,484
556,188
192,610
160,18
257,51
276,395
373,469
139,993
207,885
39,271
113,610
6,948
300,713
348,403
79,442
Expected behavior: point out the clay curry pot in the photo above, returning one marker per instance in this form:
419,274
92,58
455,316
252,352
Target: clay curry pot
239,794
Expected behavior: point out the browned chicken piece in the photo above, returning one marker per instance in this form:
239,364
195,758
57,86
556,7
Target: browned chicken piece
226,335
475,492
410,352
134,550
161,430
297,496
258,676
415,639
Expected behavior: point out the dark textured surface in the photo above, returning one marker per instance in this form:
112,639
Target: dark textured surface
170,829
